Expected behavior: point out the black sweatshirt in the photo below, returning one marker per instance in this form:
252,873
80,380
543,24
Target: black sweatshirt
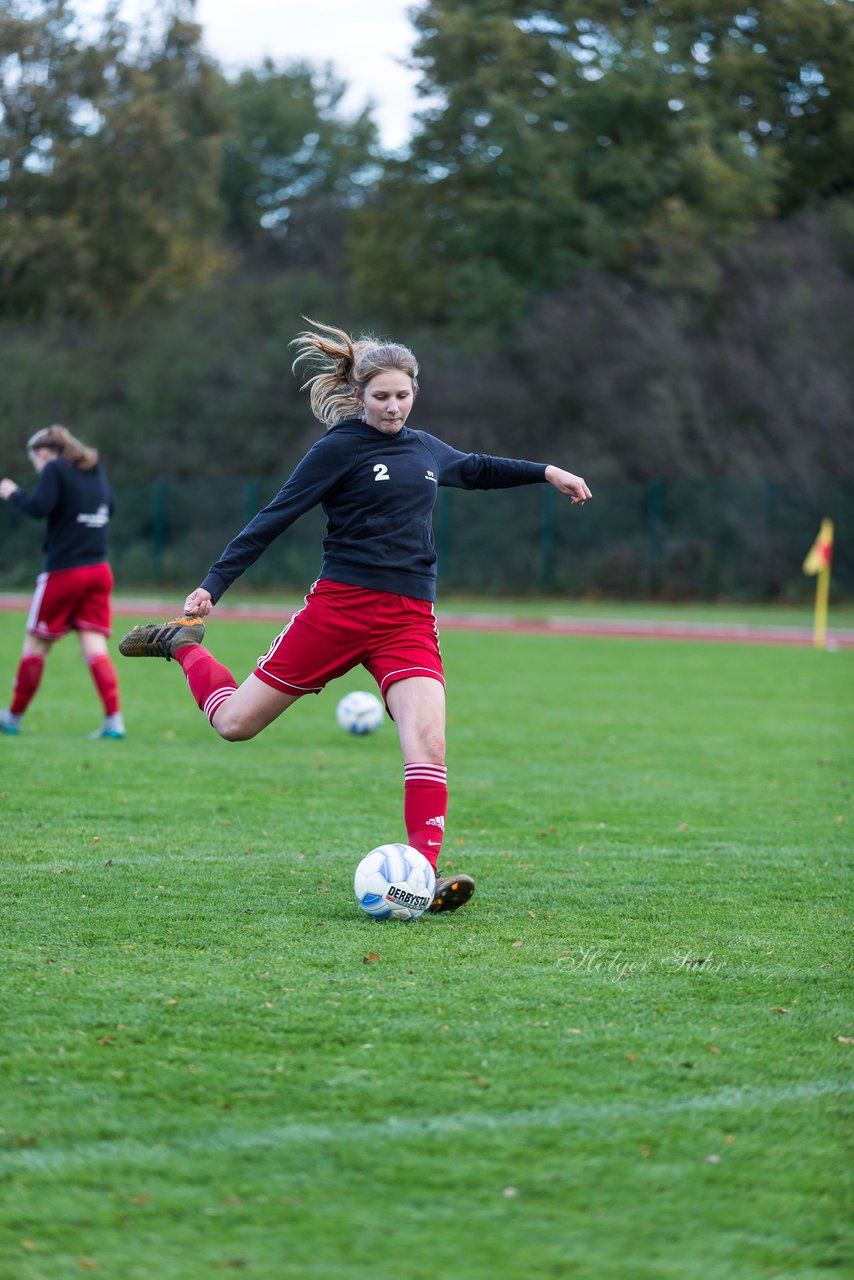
78,506
377,492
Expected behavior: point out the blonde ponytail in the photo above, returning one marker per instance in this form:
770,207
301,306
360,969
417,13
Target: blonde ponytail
338,365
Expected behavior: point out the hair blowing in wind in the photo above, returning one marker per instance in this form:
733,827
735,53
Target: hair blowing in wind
337,364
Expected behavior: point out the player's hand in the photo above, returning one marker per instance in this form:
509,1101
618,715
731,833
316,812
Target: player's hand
198,603
7,488
566,482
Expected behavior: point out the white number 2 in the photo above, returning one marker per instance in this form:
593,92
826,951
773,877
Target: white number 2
381,472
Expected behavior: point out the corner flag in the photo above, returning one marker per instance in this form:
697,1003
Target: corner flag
818,562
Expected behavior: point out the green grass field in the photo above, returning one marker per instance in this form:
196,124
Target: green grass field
630,1055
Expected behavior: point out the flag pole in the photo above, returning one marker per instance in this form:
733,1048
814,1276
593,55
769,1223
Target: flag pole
818,563
822,596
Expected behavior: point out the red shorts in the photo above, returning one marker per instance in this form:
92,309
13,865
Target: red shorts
339,627
71,600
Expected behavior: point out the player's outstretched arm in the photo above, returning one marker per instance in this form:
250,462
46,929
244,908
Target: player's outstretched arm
566,482
198,603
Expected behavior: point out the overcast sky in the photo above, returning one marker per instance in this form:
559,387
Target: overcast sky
367,42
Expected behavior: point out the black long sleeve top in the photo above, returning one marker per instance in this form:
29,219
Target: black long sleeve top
377,492
77,506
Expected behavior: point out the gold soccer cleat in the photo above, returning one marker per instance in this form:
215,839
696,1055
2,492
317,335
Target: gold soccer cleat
161,639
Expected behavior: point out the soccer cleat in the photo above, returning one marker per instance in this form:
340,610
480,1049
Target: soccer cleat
451,892
113,727
161,639
8,722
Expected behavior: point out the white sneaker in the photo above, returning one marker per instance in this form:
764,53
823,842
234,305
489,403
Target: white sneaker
8,722
113,727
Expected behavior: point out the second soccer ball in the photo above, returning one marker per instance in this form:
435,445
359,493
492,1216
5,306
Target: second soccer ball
360,713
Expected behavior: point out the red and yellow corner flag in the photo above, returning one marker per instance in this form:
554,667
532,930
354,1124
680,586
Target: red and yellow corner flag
818,562
821,551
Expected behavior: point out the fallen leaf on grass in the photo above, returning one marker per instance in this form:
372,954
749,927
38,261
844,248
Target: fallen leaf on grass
845,1039
779,1009
712,1048
370,957
516,944
88,1264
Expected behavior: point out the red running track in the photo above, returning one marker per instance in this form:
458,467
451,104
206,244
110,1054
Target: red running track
144,610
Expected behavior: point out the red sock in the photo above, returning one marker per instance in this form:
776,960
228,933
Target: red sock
210,682
425,803
106,682
27,681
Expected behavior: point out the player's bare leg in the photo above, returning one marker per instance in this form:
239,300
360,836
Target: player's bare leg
250,709
236,713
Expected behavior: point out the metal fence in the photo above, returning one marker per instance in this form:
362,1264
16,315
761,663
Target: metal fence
675,540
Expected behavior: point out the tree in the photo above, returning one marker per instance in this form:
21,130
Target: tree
591,134
109,161
291,166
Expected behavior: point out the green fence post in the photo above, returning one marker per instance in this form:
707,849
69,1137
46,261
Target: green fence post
250,500
654,503
548,539
769,512
158,526
443,531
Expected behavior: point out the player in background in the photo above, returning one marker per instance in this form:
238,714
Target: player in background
73,593
376,481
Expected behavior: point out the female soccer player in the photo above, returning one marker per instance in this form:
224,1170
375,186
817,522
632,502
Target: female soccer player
376,481
73,593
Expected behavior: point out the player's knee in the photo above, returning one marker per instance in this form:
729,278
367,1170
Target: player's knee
233,727
433,747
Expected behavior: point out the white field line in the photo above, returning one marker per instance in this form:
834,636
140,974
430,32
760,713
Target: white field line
287,1137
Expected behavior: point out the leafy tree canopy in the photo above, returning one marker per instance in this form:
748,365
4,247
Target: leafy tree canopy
290,162
632,136
131,168
109,160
